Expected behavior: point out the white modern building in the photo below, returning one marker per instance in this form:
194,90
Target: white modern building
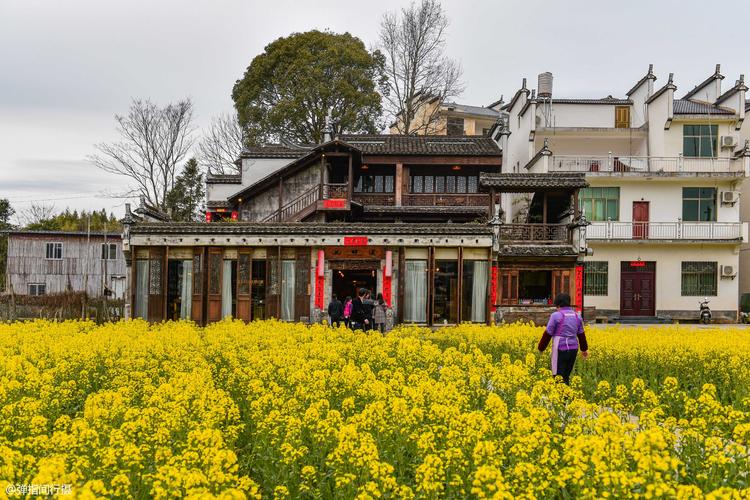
663,200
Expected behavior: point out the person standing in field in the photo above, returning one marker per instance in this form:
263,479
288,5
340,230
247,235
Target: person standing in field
378,315
348,311
565,330
368,305
335,311
358,312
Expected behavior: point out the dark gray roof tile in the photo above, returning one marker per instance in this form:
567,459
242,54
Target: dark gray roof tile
313,228
691,107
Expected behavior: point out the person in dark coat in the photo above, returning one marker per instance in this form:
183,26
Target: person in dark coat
358,312
335,311
368,304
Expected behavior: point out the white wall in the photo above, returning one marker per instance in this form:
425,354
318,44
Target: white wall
668,258
575,145
665,196
580,115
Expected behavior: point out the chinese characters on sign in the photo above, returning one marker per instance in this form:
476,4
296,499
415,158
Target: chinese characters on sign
579,288
355,241
334,203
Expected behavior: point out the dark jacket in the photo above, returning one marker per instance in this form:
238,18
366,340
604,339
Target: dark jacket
335,309
368,305
358,312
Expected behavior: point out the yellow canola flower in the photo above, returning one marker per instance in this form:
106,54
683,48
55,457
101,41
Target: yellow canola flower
279,410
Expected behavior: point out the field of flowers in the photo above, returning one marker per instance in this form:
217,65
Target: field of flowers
278,410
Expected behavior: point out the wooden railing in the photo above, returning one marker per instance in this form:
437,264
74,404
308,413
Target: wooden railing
335,191
704,231
377,199
446,200
288,211
535,233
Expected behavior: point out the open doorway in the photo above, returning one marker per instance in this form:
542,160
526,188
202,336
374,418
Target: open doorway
346,282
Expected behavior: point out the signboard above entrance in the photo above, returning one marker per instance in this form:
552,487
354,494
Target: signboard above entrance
334,253
355,241
637,263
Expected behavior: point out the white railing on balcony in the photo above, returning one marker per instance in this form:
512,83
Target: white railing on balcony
704,231
612,164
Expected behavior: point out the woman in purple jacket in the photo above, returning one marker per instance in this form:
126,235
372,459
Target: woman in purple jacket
565,330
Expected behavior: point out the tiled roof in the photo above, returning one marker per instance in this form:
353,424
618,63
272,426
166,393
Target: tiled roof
276,151
78,234
532,182
605,100
224,179
283,229
690,107
472,110
217,204
392,144
717,75
648,76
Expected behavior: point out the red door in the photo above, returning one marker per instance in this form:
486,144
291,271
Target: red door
638,288
640,220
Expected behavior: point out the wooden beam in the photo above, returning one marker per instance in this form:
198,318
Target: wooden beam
399,183
350,180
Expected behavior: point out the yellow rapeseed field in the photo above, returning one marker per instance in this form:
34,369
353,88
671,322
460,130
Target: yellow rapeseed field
279,410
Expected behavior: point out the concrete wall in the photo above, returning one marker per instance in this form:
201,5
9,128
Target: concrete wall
574,145
580,115
668,258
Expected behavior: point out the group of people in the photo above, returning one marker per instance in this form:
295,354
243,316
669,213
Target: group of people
360,313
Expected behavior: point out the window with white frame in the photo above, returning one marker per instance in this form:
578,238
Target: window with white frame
53,251
37,289
109,251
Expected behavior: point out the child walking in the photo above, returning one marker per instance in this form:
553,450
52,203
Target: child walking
565,330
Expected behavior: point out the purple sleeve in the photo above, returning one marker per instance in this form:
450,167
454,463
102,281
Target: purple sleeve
554,319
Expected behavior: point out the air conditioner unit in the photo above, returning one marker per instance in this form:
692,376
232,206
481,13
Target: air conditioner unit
728,141
728,271
730,197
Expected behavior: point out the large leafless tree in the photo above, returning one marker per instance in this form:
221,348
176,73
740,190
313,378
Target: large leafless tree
154,143
419,73
221,145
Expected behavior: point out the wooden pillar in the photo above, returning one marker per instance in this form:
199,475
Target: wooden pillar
544,208
350,180
399,183
401,282
492,202
165,281
490,302
460,286
430,284
322,175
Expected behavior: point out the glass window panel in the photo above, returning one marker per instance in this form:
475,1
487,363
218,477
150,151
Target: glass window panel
417,184
613,209
287,290
690,210
428,184
699,278
687,130
473,184
707,211
707,148
415,291
690,192
445,300
690,146
439,184
450,184
379,187
709,193
258,289
461,184
599,209
141,288
474,300
388,183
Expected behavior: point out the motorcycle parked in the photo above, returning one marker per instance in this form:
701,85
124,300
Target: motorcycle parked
704,315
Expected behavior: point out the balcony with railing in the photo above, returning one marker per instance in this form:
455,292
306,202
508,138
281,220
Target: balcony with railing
446,200
646,165
535,234
667,231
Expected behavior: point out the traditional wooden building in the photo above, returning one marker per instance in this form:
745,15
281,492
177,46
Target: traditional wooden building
413,218
47,262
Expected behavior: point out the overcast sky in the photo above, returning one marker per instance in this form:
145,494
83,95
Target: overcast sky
66,67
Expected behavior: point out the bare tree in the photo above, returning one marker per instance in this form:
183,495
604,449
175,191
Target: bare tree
420,76
36,214
222,144
155,141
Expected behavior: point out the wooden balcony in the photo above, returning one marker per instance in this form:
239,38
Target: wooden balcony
558,234
446,200
335,191
376,199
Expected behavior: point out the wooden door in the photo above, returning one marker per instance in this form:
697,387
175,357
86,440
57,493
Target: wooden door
196,313
157,284
561,283
508,284
215,265
273,285
640,220
622,116
302,285
638,288
244,273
